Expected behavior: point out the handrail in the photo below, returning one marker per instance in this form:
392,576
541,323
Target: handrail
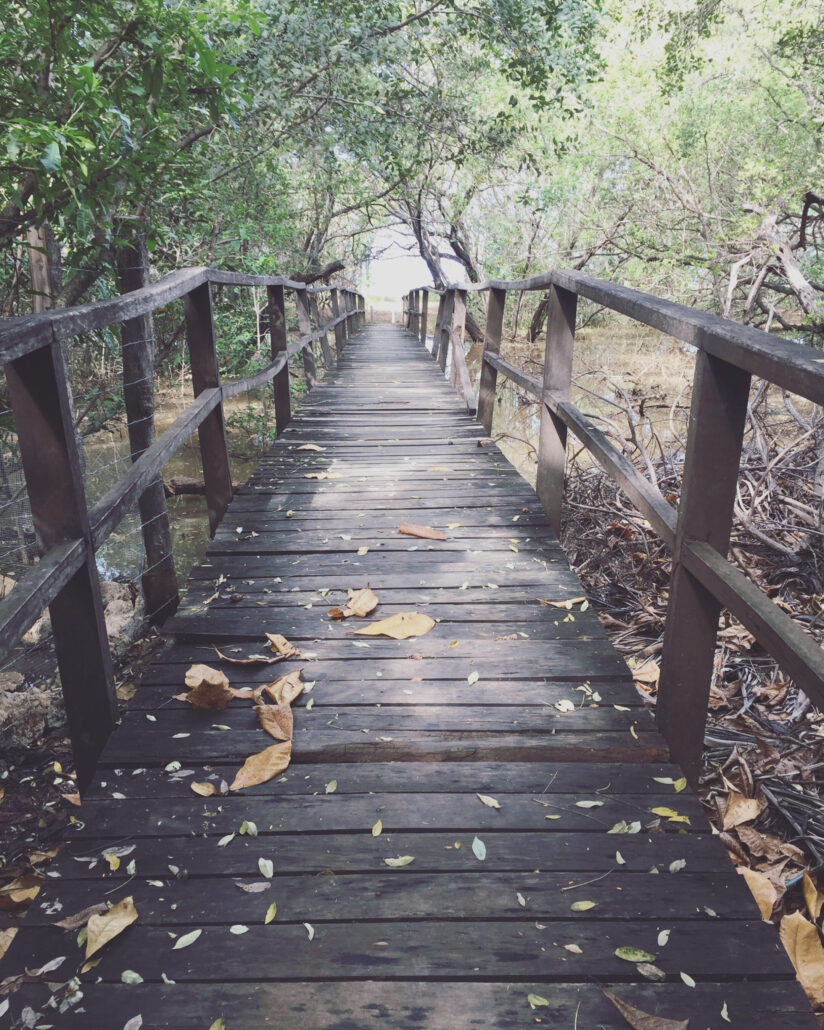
65,578
698,534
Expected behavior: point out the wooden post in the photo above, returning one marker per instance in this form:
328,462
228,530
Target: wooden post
560,336
457,334
305,327
40,395
340,329
424,315
492,345
436,334
159,581
324,340
200,337
446,323
717,416
277,335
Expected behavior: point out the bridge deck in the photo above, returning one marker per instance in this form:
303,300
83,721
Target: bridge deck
450,940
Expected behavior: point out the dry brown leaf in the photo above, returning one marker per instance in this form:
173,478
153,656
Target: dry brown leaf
361,602
39,857
763,845
813,898
204,790
803,945
639,1020
280,645
310,447
199,674
763,890
83,916
73,799
103,928
647,674
284,690
424,532
210,694
263,766
125,691
6,937
741,810
21,891
400,626
566,603
255,659
277,720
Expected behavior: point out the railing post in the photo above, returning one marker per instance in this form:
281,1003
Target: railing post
324,340
716,430
276,302
560,337
446,324
159,581
492,345
457,332
40,395
340,328
305,327
200,337
424,314
436,334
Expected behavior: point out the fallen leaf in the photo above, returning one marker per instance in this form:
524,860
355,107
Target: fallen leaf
377,829
574,948
803,944
271,912
763,890
472,678
670,814
186,940
639,1020
647,674
400,626
813,898
135,1023
634,955
331,786
254,659
73,799
363,550
266,867
488,801
277,720
126,691
478,849
401,860
263,766
741,809
310,930
129,976
204,790
238,929
106,926
565,603
583,906
361,602
309,447
280,645
424,532
83,916
588,804
285,689
208,687
687,979
6,937
536,1001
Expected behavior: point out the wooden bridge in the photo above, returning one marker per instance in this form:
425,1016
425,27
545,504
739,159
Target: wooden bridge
479,826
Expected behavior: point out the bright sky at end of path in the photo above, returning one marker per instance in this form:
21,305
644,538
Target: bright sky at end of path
394,268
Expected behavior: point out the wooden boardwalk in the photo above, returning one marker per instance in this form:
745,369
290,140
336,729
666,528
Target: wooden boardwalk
410,732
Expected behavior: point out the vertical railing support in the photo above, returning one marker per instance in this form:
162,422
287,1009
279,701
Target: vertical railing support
159,581
314,310
40,395
424,315
340,328
436,334
200,337
716,430
457,332
276,302
560,337
305,327
446,323
492,345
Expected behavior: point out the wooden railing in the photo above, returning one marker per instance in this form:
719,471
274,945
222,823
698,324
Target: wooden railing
33,350
698,533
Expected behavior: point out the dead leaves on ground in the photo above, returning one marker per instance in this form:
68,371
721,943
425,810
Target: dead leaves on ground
400,626
424,532
640,1020
104,927
263,766
361,603
803,944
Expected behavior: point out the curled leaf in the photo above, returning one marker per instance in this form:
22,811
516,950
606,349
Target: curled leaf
424,532
400,626
107,925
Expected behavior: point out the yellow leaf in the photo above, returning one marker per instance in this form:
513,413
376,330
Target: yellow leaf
280,645
331,786
424,532
800,937
277,720
813,898
762,889
310,447
400,626
114,863
271,912
6,937
264,765
205,790
361,603
488,801
647,674
284,690
401,860
741,810
566,603
377,829
670,815
103,928
363,550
